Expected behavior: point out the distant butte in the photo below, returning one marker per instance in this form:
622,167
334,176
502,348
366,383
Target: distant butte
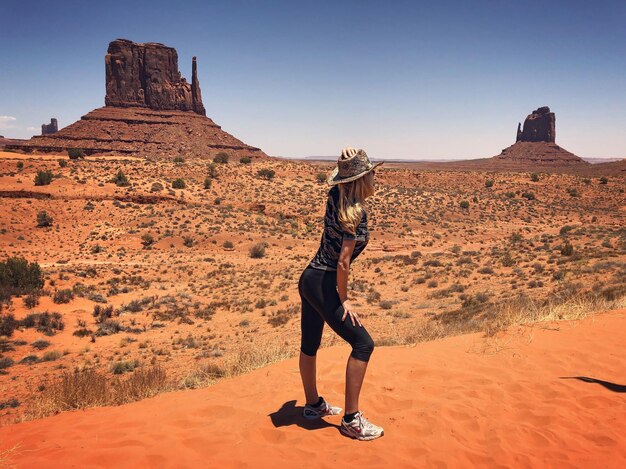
150,110
535,143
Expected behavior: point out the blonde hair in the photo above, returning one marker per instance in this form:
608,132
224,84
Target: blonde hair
352,197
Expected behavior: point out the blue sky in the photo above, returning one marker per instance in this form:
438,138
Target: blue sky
445,79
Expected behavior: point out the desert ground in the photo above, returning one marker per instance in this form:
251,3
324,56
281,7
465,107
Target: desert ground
169,275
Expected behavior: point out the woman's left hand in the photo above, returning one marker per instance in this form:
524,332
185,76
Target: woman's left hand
348,310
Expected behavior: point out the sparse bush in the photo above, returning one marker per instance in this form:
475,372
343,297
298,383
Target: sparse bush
147,240
120,179
257,251
178,183
62,163
221,157
207,182
489,183
528,195
320,177
156,187
464,204
46,323
534,177
212,170
266,173
19,277
604,180
573,192
40,344
245,160
31,300
43,178
228,245
385,304
188,241
6,362
63,296
51,355
179,159
8,324
75,153
20,165
124,366
567,249
44,220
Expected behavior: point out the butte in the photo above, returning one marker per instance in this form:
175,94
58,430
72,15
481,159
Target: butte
150,111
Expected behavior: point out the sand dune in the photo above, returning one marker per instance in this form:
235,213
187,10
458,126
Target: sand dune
550,395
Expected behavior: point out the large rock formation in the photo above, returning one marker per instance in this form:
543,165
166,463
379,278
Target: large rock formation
535,144
150,110
51,128
538,127
147,75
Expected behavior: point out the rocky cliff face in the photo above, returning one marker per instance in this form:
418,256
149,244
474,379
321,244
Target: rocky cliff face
147,75
540,126
51,128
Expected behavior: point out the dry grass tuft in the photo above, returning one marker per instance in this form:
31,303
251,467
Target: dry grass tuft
91,388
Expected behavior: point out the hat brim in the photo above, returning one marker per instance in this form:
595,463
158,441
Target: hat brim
334,177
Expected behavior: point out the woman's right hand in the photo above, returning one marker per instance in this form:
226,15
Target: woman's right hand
348,310
348,152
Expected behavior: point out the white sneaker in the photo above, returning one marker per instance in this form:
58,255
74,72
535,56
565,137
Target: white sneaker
360,428
323,410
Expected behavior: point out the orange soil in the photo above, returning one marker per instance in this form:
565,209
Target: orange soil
460,402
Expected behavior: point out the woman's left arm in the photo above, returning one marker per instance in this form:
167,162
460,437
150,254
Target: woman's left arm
343,271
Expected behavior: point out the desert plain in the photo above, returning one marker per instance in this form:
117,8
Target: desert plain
178,278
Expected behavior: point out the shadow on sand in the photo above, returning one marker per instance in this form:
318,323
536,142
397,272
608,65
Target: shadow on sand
607,384
290,414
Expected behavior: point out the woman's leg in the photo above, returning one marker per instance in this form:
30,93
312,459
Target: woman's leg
311,327
323,297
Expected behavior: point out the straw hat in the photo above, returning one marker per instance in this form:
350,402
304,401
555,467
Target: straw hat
351,165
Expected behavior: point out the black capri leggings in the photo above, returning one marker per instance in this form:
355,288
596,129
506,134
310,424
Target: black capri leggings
320,302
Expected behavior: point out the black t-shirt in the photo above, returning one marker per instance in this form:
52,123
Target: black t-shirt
327,255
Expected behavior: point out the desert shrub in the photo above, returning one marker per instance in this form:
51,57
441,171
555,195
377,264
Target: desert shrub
207,182
6,362
528,195
567,249
20,165
464,204
46,323
320,177
9,404
29,360
51,356
487,270
188,241
43,178
257,251
120,179
62,163
147,240
385,304
573,192
266,173
178,183
75,153
156,187
8,324
566,229
44,220
63,296
510,194
534,177
604,180
212,170
179,159
31,300
40,344
221,157
19,277
228,244
245,160
109,327
124,366
489,183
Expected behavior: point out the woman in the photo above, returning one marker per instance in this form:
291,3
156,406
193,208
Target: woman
323,288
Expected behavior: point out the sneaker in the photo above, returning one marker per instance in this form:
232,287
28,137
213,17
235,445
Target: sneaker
323,410
360,428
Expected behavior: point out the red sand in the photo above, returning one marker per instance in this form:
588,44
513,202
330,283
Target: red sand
458,402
